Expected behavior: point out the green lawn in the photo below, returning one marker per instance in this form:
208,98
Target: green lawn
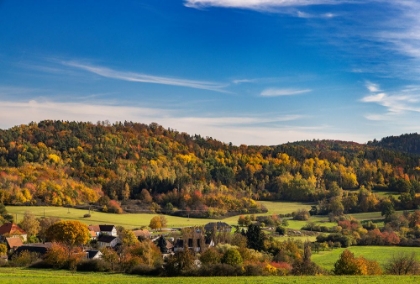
381,254
27,276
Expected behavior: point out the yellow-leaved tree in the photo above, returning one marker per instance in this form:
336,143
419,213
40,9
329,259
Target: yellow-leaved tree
69,233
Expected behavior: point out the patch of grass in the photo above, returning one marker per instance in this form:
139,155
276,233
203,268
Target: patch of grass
381,254
277,207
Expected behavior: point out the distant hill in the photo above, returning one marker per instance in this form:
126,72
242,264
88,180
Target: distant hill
148,167
407,143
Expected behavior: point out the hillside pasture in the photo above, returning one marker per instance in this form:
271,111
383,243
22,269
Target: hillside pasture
129,221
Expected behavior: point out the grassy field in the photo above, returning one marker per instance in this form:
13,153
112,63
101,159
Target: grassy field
143,219
27,276
381,254
137,220
126,220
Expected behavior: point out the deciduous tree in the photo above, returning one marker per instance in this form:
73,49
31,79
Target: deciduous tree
70,233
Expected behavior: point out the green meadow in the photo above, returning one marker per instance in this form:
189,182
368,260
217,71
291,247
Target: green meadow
28,276
381,254
136,220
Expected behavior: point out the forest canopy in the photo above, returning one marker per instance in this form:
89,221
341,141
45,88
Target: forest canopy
135,165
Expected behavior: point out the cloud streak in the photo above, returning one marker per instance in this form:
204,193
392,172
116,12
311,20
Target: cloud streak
407,100
145,78
256,4
274,92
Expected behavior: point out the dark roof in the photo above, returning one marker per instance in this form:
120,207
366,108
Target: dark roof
179,243
106,228
106,239
12,229
92,253
37,248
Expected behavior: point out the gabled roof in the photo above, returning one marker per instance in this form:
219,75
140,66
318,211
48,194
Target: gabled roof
106,228
106,239
92,253
94,228
92,234
12,229
142,233
14,242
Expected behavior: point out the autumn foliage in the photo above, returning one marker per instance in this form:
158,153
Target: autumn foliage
70,233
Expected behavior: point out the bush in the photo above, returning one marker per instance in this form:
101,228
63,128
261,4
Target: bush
143,269
253,270
301,214
281,230
87,216
219,270
93,265
23,259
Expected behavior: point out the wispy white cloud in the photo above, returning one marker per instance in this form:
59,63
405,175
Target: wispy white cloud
256,4
274,92
406,100
373,88
145,78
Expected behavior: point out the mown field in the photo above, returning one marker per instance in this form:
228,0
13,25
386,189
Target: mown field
381,254
143,219
137,220
26,276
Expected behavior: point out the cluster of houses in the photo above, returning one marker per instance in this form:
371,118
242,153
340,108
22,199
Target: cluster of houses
107,236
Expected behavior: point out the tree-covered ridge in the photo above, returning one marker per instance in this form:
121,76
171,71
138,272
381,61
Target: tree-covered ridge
59,163
408,143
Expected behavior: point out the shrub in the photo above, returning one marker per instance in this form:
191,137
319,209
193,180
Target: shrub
281,230
93,265
301,214
232,257
23,259
87,216
219,270
143,269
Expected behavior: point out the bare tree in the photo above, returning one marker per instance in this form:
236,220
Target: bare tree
403,263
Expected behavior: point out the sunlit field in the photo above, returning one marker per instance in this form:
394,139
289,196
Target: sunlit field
27,276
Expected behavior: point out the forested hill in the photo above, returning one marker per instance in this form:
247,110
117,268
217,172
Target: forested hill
408,143
150,167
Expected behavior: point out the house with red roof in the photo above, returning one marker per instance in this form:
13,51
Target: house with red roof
12,230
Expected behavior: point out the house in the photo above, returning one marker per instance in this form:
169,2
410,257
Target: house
142,234
109,230
96,230
10,229
93,254
13,243
220,227
168,248
38,248
107,241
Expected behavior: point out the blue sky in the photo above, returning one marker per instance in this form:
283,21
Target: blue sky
243,71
